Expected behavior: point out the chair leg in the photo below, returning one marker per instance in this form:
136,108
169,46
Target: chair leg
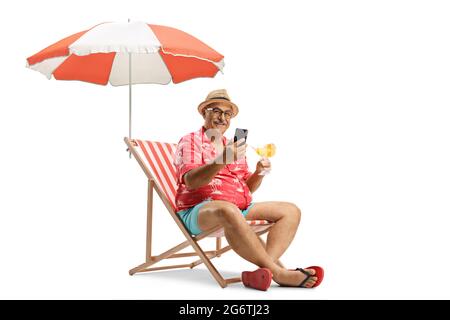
148,251
143,266
218,245
203,258
193,242
208,263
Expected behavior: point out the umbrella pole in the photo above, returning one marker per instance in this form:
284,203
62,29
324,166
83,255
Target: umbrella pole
129,98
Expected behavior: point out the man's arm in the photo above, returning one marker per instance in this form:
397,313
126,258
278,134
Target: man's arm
254,181
201,176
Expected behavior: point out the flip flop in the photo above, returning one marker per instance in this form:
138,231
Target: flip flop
319,274
259,279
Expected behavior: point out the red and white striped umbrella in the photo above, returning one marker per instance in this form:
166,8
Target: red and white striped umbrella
126,54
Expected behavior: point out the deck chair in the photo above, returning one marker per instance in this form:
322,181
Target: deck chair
156,160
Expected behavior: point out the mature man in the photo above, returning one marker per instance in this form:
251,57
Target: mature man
215,187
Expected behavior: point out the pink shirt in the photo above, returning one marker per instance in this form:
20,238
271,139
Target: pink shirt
195,150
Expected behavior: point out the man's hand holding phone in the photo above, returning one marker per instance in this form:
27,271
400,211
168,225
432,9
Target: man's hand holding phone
235,149
239,145
232,151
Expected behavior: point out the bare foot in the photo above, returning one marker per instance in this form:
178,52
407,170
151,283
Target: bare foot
293,278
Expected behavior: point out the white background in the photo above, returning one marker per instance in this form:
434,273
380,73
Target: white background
353,93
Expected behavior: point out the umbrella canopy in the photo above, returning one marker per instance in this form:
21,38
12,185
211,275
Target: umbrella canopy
126,54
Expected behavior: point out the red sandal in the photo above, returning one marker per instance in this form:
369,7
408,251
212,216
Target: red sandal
319,274
259,279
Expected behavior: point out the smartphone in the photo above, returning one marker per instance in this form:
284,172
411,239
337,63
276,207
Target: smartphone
239,134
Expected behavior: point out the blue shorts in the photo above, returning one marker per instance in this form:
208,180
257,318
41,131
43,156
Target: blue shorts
190,216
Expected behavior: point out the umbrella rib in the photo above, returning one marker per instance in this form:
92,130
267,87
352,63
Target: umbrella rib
189,56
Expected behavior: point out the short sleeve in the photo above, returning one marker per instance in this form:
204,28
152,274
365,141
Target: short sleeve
188,156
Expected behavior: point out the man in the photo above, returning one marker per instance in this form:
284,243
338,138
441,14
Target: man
215,187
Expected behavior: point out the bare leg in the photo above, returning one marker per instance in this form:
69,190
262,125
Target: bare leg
238,234
278,262
286,217
244,241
